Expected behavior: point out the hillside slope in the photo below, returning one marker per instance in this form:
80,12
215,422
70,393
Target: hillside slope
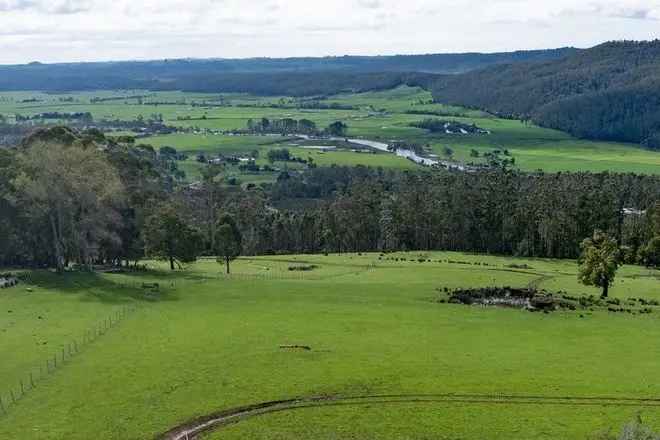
248,75
609,92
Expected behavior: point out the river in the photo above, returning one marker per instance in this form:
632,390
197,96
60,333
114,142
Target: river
401,152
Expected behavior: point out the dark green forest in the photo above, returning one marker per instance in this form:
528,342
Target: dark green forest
267,76
108,206
609,92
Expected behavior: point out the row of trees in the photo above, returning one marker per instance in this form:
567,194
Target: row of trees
67,198
292,126
493,211
281,126
71,198
169,236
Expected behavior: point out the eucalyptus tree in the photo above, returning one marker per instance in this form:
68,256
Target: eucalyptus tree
599,261
169,236
74,189
228,241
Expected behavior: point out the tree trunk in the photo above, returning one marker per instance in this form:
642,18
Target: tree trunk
227,264
171,262
57,245
606,289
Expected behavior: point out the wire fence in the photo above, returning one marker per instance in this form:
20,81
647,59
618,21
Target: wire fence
35,375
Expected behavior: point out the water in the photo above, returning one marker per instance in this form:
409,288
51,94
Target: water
401,152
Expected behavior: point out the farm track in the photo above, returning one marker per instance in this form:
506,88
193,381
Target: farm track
194,429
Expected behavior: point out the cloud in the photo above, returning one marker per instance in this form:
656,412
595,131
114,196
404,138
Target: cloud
46,6
68,6
70,30
370,4
636,14
15,5
621,9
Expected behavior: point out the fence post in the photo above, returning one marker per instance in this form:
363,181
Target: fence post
73,348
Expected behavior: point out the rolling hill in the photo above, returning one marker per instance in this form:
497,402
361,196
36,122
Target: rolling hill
609,92
256,75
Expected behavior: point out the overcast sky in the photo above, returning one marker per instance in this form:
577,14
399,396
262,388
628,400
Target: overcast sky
89,30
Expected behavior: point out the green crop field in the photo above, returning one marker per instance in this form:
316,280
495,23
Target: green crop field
383,116
375,326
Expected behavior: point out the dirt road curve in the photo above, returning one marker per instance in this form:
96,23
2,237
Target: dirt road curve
193,429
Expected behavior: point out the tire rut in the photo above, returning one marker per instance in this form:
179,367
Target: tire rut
193,429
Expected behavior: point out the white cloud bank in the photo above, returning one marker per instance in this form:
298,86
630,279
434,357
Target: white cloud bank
76,30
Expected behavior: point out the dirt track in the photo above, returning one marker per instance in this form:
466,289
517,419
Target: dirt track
192,430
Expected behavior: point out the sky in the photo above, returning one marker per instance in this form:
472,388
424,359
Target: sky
100,30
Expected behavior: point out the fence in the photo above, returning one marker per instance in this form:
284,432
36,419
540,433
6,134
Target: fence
48,367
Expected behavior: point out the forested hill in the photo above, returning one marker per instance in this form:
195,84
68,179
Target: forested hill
609,92
257,75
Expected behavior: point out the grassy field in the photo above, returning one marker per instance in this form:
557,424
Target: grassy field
208,342
375,115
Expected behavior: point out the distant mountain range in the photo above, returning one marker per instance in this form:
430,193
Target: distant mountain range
211,74
609,92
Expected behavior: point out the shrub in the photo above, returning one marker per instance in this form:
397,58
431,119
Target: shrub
632,431
519,266
303,268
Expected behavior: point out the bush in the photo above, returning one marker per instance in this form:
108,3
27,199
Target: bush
632,431
519,266
304,268
650,254
282,155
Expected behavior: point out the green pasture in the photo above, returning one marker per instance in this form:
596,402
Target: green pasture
214,144
376,115
208,342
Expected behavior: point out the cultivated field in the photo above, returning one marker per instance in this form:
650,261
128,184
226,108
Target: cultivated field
388,358
383,116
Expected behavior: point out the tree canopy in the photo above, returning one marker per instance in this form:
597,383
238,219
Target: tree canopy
228,240
324,209
610,92
337,128
599,261
169,236
72,188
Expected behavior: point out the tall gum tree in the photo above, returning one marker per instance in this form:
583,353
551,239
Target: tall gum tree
75,190
599,261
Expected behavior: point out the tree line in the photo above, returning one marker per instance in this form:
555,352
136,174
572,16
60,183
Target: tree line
490,211
289,126
80,198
